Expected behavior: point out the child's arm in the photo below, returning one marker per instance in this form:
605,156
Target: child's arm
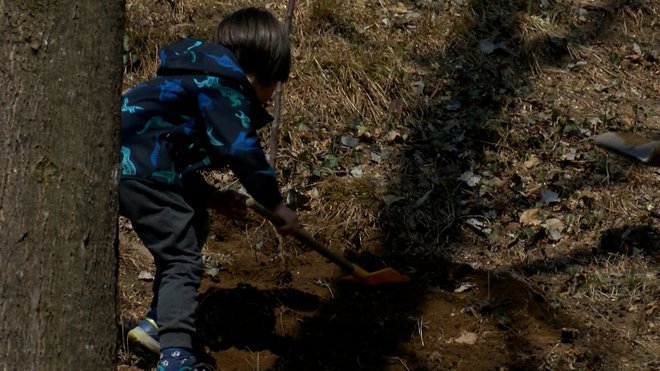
227,115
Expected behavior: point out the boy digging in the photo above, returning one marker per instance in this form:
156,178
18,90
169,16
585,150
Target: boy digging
200,112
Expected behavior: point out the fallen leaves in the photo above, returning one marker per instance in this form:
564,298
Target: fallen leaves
531,217
145,276
554,227
468,338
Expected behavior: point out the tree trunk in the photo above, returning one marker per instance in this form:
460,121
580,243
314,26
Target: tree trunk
60,81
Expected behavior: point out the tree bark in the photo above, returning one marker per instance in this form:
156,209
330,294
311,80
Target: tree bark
59,117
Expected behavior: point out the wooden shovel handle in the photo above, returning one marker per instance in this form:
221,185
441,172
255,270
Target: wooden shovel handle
308,240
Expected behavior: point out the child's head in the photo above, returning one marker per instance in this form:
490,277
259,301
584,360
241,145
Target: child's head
259,42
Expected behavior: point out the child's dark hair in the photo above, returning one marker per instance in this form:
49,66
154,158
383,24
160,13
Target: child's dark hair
259,41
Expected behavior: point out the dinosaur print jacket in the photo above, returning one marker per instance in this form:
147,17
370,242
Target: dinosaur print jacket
199,113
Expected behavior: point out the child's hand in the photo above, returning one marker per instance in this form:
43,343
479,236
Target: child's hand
228,203
289,217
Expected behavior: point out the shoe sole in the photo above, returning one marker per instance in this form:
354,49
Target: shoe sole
139,337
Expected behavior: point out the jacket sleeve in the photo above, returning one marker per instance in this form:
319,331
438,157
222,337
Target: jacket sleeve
227,119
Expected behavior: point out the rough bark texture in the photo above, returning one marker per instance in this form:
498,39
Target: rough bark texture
59,114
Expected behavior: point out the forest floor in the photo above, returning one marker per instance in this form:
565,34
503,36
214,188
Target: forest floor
451,141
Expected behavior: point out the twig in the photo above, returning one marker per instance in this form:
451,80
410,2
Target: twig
420,329
255,356
325,284
402,362
275,128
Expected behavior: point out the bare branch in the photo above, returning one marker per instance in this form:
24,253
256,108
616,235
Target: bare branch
277,110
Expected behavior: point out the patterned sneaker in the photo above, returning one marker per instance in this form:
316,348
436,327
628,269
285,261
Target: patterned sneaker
177,359
144,337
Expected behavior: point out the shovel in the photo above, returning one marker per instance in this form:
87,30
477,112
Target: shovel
635,147
380,277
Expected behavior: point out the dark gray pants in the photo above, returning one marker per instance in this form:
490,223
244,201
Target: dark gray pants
173,224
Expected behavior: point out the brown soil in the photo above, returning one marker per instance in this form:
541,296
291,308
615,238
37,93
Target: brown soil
449,140
262,312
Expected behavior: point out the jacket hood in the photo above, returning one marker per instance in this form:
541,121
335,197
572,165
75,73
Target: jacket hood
194,56
197,57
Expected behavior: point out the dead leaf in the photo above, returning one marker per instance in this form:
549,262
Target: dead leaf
487,46
392,198
497,182
453,105
466,337
393,136
397,106
549,197
349,141
465,286
532,162
400,8
145,276
479,225
423,199
599,88
554,227
357,172
530,217
569,154
470,178
418,86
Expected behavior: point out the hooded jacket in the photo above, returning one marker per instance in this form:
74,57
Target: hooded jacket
199,112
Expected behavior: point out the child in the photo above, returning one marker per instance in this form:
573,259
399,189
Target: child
201,112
